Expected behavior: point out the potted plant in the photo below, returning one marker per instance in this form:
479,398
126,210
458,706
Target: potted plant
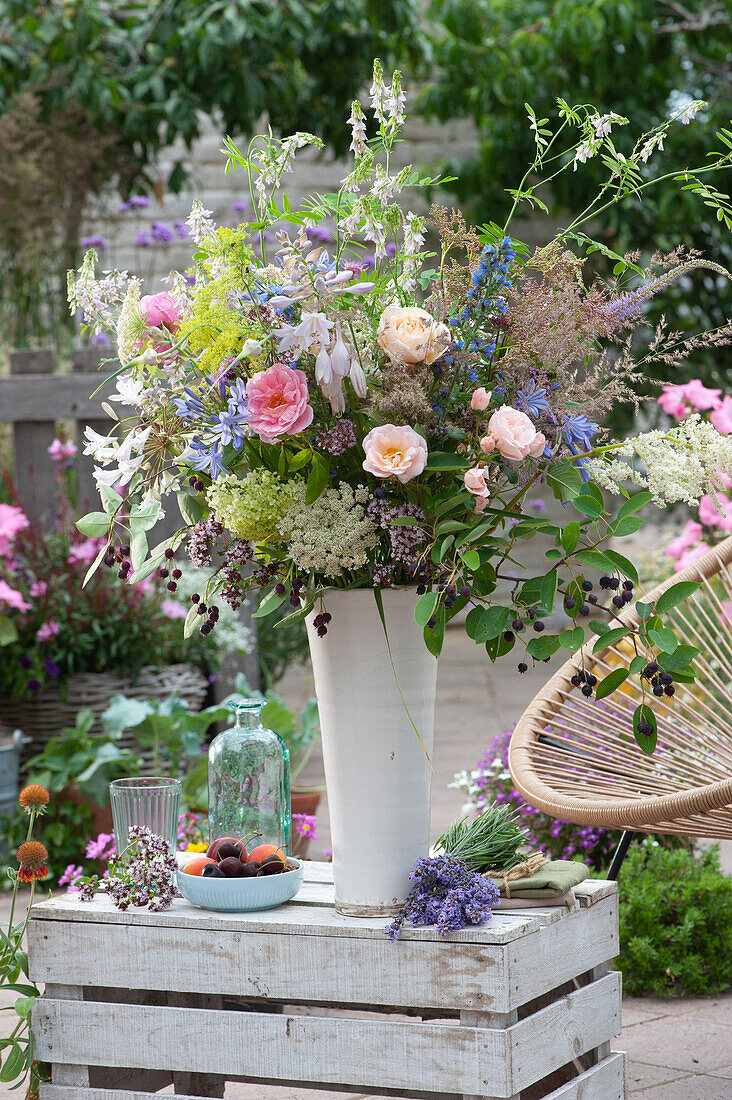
66,647
356,430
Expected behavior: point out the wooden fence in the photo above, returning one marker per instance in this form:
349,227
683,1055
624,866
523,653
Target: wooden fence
32,399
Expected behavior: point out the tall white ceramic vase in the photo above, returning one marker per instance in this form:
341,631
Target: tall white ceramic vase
376,771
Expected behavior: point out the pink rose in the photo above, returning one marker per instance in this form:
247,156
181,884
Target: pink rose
48,630
721,417
690,556
481,399
172,609
278,402
513,432
12,598
160,310
86,551
411,335
672,402
699,396
710,515
487,444
475,481
12,520
395,451
691,533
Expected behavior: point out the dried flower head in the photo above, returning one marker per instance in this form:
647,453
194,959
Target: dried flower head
34,798
32,856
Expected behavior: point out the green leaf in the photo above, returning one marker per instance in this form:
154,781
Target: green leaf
425,608
543,647
444,527
597,626
8,630
675,595
665,639
493,621
317,479
434,636
470,559
610,682
94,565
94,525
596,559
646,741
111,500
680,658
588,506
14,1064
564,480
124,713
572,639
145,516
634,504
625,565
138,549
295,616
570,536
299,460
628,526
439,553
637,664
610,637
443,460
192,619
548,590
189,507
269,603
643,609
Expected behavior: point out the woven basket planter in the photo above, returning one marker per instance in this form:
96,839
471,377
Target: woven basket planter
42,718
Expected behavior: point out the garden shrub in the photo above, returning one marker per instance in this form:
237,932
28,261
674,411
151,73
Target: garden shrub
675,921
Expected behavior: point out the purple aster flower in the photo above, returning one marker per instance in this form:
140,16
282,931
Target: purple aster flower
99,340
319,233
51,668
123,207
538,505
34,685
97,241
240,206
140,201
161,232
181,228
143,239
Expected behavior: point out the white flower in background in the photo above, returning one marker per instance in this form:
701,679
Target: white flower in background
357,122
251,349
200,224
414,234
689,111
102,447
396,99
130,325
377,92
655,142
585,151
603,124
358,378
681,464
97,299
340,360
128,391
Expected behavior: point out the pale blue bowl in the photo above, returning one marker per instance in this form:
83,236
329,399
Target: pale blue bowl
242,895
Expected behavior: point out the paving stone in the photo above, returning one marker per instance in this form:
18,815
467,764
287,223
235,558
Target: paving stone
685,1043
688,1088
641,1075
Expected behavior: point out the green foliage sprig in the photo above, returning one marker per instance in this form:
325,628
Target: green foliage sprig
490,842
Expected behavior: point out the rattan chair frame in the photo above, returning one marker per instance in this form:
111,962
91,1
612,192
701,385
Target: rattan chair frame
577,761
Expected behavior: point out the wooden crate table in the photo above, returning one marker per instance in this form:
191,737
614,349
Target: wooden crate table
524,1006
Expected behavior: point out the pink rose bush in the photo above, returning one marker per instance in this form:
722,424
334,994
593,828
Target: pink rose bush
350,406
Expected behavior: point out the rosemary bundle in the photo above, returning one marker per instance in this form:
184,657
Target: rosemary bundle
489,842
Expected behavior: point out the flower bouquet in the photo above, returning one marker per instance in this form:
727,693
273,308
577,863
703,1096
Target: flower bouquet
351,430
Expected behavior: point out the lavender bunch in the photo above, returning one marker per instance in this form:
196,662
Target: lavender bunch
445,893
141,875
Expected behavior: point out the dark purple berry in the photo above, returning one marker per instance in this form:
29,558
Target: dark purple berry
169,554
569,602
587,691
523,667
587,586
584,609
280,589
195,598
539,626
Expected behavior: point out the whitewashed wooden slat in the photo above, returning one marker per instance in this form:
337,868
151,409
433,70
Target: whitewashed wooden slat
322,1049
605,1081
593,890
602,1082
45,397
284,968
293,918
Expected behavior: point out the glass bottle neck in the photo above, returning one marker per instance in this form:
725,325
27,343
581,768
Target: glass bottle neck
249,719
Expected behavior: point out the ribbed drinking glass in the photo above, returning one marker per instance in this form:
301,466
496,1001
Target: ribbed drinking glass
149,800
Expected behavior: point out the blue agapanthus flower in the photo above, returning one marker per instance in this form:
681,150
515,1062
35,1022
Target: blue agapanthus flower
578,432
532,399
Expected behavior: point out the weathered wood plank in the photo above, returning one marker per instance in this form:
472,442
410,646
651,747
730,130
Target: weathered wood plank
33,433
284,968
293,918
605,1081
47,397
368,1052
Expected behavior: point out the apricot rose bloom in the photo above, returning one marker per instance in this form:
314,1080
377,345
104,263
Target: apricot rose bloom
514,434
278,402
395,451
411,335
480,399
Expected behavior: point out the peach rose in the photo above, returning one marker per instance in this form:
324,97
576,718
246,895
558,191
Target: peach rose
487,444
481,399
278,402
395,451
411,335
475,481
537,447
513,432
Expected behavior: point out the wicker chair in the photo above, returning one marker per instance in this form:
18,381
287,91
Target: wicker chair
576,759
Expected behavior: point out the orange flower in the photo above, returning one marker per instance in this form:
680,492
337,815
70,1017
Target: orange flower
31,857
34,798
